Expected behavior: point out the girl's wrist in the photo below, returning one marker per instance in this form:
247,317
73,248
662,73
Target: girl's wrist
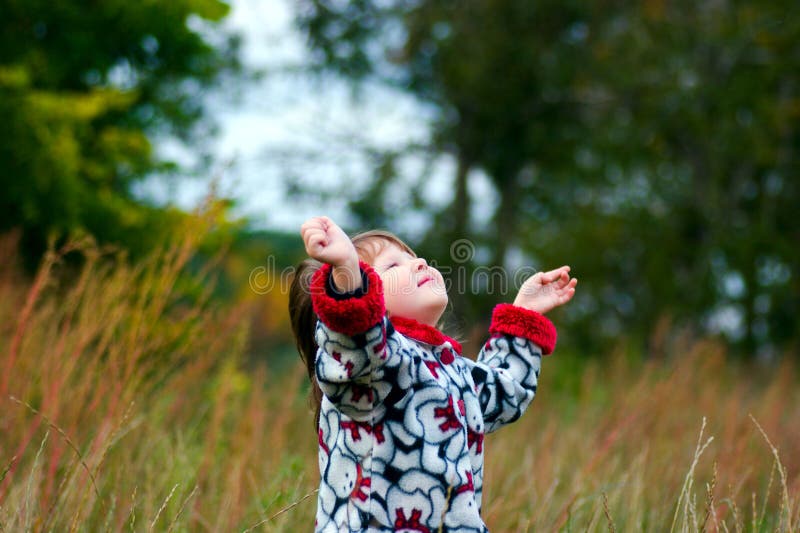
347,277
527,305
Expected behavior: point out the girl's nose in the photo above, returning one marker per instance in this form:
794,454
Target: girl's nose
420,264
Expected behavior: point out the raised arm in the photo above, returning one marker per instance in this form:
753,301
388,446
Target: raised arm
507,370
359,361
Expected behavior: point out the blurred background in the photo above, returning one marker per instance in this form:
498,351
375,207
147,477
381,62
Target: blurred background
159,157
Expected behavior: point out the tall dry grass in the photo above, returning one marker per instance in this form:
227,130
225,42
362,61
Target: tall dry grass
125,405
694,443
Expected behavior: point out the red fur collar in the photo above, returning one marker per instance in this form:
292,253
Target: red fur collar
423,332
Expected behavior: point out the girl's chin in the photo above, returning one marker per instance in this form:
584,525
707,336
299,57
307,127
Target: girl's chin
438,311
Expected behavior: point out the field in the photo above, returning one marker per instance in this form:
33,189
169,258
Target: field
127,403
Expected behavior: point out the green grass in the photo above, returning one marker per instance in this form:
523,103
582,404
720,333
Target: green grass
126,405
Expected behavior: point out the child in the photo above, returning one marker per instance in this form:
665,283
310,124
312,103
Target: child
401,415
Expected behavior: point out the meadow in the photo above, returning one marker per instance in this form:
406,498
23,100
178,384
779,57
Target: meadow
127,403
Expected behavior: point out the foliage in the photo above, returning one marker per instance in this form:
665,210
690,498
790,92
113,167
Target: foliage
255,269
651,146
82,90
698,105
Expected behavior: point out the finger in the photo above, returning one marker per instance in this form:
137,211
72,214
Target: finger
549,277
311,223
568,286
315,238
567,296
307,227
556,280
557,283
320,237
566,281
568,293
326,223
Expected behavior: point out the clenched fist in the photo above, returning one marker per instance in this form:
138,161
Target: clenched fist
326,242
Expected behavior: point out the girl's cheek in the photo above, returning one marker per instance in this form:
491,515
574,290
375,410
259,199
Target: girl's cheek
389,281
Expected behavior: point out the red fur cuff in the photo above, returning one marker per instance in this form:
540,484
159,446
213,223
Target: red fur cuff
348,315
510,319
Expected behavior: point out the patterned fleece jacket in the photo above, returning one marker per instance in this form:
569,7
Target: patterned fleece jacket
403,415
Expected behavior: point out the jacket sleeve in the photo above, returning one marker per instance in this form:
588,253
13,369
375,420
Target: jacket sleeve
360,358
507,370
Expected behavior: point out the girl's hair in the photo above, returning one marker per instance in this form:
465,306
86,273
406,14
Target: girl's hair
304,322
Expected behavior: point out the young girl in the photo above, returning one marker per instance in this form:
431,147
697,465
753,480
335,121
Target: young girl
402,415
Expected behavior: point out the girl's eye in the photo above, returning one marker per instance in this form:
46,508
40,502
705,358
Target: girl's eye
388,267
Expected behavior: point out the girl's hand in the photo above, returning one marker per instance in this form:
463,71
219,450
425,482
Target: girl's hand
546,290
326,242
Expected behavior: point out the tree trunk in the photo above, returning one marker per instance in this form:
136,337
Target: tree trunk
505,218
750,345
458,228
461,203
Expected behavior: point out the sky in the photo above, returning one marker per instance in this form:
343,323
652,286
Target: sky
289,127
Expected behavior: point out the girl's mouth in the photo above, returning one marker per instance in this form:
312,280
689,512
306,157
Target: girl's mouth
424,281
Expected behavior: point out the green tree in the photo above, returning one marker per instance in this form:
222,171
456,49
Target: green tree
653,147
82,90
499,74
698,108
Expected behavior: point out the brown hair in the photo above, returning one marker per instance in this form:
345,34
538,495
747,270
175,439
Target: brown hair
304,321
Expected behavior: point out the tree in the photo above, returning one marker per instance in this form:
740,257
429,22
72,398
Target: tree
697,105
489,68
653,147
82,90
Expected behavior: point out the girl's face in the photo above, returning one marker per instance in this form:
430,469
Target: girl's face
411,288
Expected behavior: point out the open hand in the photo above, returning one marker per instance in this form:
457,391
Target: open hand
546,290
326,242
